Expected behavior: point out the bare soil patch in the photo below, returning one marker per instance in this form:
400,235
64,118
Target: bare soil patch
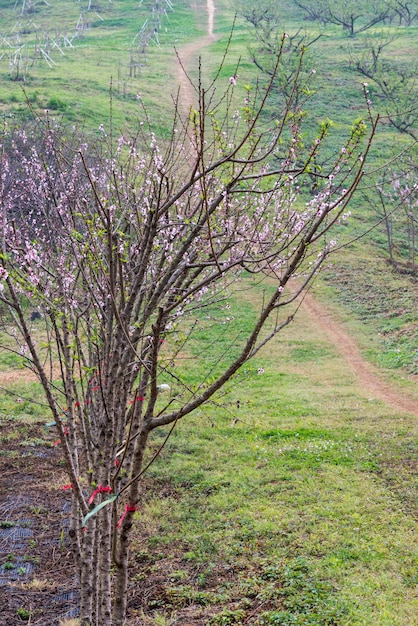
187,54
37,581
368,376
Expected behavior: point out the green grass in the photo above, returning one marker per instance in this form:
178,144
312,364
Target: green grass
381,300
306,524
78,85
79,82
297,506
289,500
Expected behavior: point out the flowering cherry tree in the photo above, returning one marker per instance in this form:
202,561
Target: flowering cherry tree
117,246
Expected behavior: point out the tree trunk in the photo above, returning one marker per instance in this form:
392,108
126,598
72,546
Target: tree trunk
124,539
87,575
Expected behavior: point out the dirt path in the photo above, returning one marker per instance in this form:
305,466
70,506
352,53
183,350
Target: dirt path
186,55
367,376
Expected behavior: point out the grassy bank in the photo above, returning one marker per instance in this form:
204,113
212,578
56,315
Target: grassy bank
291,499
292,503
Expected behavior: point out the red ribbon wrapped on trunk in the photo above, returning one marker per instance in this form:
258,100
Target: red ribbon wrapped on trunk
100,489
128,509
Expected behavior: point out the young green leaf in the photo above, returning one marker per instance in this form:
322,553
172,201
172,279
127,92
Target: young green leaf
98,507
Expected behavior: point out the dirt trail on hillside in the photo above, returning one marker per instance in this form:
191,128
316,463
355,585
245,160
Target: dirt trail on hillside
186,55
367,376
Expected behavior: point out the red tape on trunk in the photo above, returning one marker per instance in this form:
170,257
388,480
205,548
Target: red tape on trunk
129,509
100,489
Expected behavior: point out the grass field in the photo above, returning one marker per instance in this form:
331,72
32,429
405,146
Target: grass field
301,500
291,499
74,81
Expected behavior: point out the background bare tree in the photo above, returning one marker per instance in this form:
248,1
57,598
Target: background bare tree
406,11
354,16
393,86
298,64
